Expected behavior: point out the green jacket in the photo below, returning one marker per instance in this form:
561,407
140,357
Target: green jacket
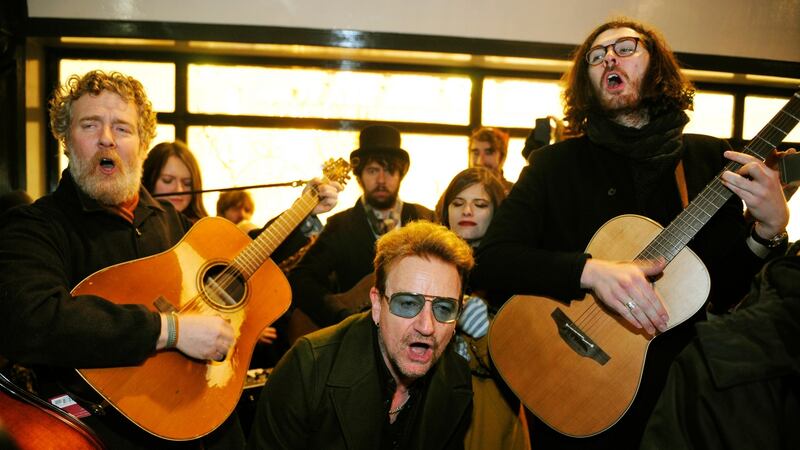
325,393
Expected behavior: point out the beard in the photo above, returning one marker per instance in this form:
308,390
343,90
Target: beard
625,107
381,203
112,189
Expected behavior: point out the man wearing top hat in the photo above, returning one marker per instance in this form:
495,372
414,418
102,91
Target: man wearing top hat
343,253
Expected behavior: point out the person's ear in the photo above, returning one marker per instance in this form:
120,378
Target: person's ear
375,298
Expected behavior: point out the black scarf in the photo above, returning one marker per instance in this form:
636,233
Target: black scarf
651,150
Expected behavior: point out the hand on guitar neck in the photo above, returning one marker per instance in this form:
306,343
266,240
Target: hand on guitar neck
625,287
328,193
759,186
200,337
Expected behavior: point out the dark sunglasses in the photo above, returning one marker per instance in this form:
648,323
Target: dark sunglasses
623,48
408,305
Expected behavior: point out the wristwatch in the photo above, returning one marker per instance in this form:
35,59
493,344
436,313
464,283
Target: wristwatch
773,242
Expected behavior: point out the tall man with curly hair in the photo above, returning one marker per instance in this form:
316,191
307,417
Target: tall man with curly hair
625,99
99,215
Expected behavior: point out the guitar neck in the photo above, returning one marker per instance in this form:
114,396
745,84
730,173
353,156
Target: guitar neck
689,222
257,252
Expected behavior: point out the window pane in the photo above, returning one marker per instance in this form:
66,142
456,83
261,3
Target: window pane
231,156
335,94
794,218
712,115
513,102
164,132
514,161
157,78
758,111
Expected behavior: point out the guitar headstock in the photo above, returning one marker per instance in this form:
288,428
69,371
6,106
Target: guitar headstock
336,170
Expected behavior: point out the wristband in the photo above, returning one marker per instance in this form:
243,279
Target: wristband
172,330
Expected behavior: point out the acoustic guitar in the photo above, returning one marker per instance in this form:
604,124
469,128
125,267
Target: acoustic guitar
33,423
355,299
215,269
578,367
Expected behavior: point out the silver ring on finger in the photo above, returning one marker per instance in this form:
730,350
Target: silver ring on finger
631,305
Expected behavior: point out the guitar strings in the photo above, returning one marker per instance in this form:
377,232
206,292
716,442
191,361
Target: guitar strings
246,264
767,139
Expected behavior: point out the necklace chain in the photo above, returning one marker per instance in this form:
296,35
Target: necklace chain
400,408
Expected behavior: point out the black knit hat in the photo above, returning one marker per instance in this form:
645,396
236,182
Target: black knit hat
379,140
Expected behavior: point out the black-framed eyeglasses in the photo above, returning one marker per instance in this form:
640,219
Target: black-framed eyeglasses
408,304
623,47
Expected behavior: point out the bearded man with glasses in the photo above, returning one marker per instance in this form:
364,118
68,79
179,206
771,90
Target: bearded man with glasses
625,98
386,378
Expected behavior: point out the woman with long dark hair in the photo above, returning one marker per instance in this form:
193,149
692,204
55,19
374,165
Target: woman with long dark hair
171,167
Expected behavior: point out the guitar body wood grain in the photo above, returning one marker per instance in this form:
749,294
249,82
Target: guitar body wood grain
170,395
574,394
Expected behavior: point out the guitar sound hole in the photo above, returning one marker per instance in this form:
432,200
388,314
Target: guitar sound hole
224,286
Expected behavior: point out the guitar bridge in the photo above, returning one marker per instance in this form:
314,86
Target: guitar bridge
164,306
577,340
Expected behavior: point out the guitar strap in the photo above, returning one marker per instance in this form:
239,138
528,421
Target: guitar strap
680,179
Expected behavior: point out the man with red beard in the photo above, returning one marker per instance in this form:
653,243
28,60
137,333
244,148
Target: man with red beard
383,379
625,99
98,216
342,255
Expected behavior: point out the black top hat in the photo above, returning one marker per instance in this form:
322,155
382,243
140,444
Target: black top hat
379,139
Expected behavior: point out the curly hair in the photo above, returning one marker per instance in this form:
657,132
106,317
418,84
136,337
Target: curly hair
664,87
465,179
94,83
426,240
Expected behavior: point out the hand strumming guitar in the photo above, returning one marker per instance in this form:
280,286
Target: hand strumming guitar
624,287
198,336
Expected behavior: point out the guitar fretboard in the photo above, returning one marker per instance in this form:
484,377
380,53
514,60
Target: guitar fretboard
675,236
257,252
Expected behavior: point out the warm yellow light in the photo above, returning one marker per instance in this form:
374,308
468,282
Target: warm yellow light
769,80
515,102
712,115
313,51
758,111
231,156
708,75
117,41
320,93
158,79
514,161
794,219
545,65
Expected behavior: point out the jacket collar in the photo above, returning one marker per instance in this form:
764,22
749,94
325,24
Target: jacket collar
356,388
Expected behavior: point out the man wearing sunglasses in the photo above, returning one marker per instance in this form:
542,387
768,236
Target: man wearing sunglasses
625,98
385,378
